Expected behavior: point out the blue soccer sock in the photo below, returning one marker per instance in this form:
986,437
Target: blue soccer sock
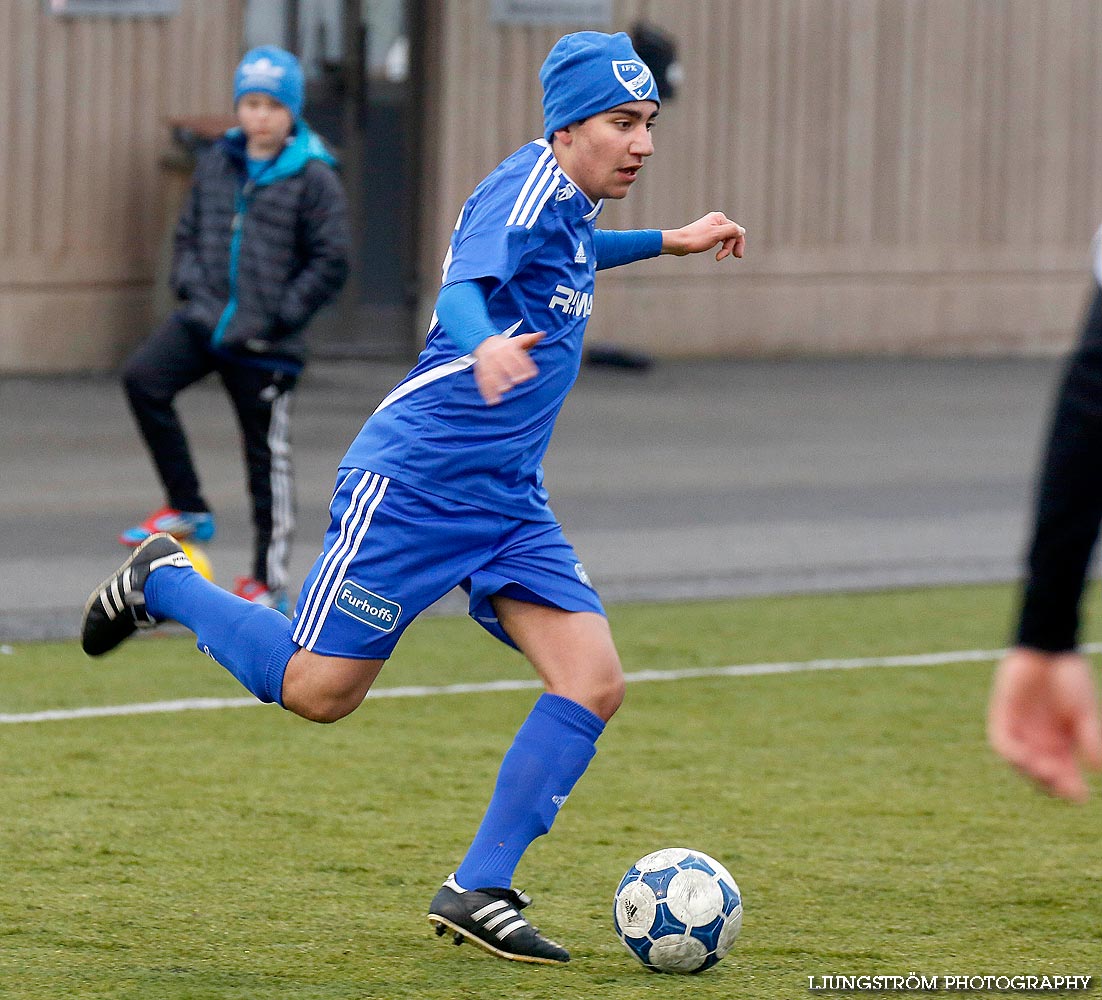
549,754
251,641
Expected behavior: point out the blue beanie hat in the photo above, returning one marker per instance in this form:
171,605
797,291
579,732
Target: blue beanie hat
273,71
589,72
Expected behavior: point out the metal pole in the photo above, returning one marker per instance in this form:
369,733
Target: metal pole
352,125
290,26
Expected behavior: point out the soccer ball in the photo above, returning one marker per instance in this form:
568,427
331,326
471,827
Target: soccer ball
678,910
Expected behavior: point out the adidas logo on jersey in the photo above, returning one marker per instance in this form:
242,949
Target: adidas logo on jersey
580,257
566,191
571,301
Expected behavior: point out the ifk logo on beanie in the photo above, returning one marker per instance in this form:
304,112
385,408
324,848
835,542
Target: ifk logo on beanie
588,72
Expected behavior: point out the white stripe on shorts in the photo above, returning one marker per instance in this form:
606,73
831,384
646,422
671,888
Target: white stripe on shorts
366,496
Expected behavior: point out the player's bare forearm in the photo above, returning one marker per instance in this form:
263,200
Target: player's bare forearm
711,230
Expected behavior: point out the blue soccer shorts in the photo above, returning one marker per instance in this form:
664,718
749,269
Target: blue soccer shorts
391,551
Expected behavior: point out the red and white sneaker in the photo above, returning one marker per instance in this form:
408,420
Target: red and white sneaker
254,591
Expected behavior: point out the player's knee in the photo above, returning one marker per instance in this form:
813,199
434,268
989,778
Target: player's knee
607,694
329,708
319,699
615,696
323,716
324,688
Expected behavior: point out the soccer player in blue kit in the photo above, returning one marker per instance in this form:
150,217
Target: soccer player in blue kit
443,487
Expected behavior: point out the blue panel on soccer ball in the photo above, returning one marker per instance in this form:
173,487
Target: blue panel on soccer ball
708,934
631,876
696,861
709,937
665,923
659,881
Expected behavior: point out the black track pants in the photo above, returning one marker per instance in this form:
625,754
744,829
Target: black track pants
176,356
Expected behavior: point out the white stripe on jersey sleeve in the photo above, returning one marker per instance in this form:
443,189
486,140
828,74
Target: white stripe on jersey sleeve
550,190
540,193
541,163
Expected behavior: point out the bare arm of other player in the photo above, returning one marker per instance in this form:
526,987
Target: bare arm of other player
1043,718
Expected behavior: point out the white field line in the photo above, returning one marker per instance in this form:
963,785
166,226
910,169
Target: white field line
739,670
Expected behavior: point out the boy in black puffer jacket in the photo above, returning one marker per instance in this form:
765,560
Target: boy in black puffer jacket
261,245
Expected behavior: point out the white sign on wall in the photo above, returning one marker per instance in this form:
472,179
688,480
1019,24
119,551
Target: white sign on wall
594,13
115,8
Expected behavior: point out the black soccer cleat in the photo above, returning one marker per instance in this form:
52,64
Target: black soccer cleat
116,608
491,919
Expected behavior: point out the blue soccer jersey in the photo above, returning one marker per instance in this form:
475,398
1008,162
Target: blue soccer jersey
527,234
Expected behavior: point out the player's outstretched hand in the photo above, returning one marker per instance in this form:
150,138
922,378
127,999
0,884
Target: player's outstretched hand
708,231
503,362
1043,718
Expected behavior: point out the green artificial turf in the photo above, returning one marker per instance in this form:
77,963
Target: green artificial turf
243,853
